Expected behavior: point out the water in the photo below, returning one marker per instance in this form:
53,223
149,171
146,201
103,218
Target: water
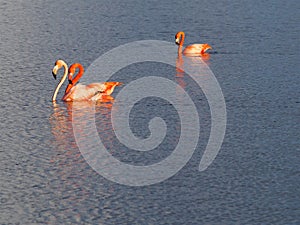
254,178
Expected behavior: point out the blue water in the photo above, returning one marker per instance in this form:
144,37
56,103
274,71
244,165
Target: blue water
254,179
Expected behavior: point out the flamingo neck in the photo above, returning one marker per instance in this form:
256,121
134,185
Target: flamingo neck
62,80
179,50
181,35
72,69
74,80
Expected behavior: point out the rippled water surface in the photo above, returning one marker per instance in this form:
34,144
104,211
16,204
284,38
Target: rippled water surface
254,179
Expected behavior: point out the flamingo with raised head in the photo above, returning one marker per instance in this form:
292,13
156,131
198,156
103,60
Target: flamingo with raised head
193,49
79,92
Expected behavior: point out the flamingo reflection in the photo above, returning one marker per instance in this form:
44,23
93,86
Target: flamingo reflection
71,175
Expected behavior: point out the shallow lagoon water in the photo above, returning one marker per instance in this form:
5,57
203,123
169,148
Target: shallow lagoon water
254,178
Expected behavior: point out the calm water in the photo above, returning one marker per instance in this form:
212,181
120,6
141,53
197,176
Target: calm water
254,179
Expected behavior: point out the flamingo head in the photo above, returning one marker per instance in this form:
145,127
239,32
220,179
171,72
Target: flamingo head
58,65
72,70
70,77
179,38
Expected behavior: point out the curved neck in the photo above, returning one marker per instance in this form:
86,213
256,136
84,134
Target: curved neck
181,36
62,80
76,78
78,75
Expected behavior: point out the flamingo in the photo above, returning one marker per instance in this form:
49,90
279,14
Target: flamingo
79,92
191,49
59,64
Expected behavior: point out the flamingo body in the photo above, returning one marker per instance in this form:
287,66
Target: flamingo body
196,49
91,92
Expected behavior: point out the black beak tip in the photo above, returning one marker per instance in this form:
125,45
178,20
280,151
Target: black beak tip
54,75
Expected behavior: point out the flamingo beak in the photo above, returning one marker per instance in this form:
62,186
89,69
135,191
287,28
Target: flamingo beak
177,41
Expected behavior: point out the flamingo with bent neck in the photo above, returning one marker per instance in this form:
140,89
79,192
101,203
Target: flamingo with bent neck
59,64
193,49
79,92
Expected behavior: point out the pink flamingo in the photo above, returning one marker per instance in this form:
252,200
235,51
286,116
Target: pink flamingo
191,49
79,92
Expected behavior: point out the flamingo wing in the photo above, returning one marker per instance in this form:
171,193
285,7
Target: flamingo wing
110,86
104,89
196,48
93,91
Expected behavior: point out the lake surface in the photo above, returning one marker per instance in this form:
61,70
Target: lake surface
255,177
